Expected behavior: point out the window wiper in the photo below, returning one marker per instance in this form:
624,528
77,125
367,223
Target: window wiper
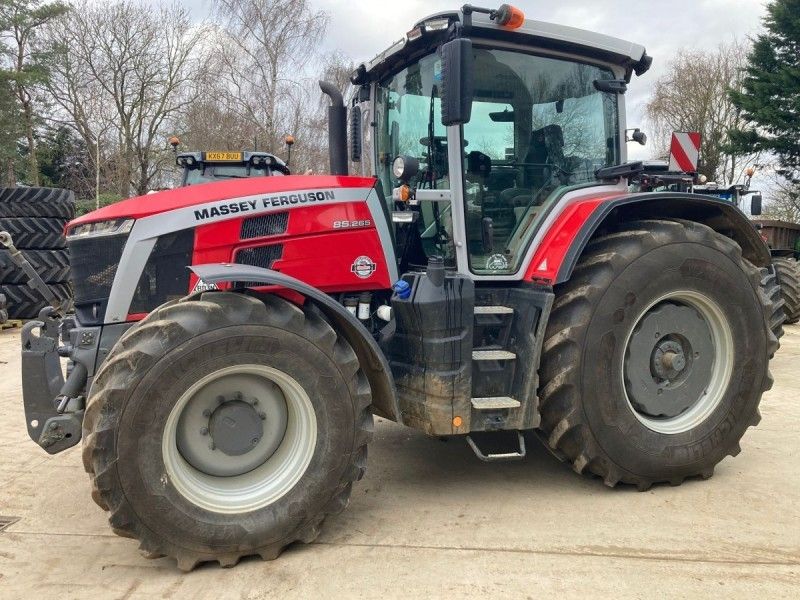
625,171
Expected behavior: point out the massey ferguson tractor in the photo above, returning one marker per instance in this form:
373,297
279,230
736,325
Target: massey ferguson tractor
490,274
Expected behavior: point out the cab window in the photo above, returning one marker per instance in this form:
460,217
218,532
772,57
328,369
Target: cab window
539,127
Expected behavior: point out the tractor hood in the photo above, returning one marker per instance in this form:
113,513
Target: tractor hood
169,200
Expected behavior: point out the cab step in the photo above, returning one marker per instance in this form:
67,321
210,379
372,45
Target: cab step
517,454
495,403
493,355
494,310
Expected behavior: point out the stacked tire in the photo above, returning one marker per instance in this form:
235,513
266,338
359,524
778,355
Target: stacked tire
35,218
788,270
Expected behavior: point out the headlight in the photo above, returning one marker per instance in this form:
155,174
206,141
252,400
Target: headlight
101,228
405,168
399,167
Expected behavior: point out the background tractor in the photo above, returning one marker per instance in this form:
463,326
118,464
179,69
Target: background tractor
489,274
205,167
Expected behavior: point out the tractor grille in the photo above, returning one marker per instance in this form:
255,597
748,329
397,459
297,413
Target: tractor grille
265,225
93,263
166,274
263,256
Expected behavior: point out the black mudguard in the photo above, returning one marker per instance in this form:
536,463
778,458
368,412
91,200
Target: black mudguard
374,363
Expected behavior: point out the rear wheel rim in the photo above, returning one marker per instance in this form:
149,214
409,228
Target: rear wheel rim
232,473
678,362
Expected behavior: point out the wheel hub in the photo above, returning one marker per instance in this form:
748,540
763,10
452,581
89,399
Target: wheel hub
669,361
235,428
232,425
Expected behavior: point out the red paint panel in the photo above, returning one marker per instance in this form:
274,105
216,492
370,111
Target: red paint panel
326,261
550,254
313,251
144,206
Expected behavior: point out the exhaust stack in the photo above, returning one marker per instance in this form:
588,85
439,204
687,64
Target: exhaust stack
337,129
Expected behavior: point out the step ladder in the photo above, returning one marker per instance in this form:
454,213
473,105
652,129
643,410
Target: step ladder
517,453
493,371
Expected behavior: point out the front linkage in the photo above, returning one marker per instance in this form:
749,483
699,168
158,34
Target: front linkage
53,405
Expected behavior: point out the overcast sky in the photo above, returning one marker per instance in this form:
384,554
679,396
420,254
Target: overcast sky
363,28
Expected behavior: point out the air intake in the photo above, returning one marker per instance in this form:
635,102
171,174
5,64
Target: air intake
265,225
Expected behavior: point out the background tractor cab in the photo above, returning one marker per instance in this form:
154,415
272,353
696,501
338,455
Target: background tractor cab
205,167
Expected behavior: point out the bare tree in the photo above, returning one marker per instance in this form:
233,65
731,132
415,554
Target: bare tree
266,48
784,202
125,72
693,96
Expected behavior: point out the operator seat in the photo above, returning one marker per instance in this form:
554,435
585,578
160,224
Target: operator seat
545,152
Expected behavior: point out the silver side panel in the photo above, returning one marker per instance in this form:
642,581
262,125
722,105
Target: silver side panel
457,208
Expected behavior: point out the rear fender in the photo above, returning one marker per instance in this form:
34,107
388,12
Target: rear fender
373,362
723,217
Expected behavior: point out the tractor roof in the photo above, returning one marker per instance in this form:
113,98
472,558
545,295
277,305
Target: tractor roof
434,29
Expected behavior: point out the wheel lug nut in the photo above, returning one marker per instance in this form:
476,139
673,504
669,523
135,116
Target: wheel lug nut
204,431
220,399
238,396
206,413
255,441
255,401
263,416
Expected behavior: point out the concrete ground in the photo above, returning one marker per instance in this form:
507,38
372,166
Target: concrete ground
430,520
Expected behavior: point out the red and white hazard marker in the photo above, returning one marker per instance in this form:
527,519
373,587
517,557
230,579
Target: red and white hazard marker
684,152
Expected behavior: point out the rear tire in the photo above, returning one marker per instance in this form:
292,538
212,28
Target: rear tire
37,202
149,466
715,322
35,233
789,278
51,265
24,302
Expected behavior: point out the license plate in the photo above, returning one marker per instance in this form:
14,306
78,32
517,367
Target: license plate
224,156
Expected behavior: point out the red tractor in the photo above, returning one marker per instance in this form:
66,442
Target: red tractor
493,275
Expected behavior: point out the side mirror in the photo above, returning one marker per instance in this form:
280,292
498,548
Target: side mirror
458,82
638,136
756,205
355,134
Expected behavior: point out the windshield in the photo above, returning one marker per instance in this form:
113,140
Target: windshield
539,127
215,172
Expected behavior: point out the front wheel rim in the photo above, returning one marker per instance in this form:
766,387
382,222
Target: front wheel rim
694,354
286,454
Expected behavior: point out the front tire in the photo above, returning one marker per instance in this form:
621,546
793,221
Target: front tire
224,426
656,354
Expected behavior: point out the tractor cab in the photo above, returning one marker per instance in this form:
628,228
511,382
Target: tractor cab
205,167
483,121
